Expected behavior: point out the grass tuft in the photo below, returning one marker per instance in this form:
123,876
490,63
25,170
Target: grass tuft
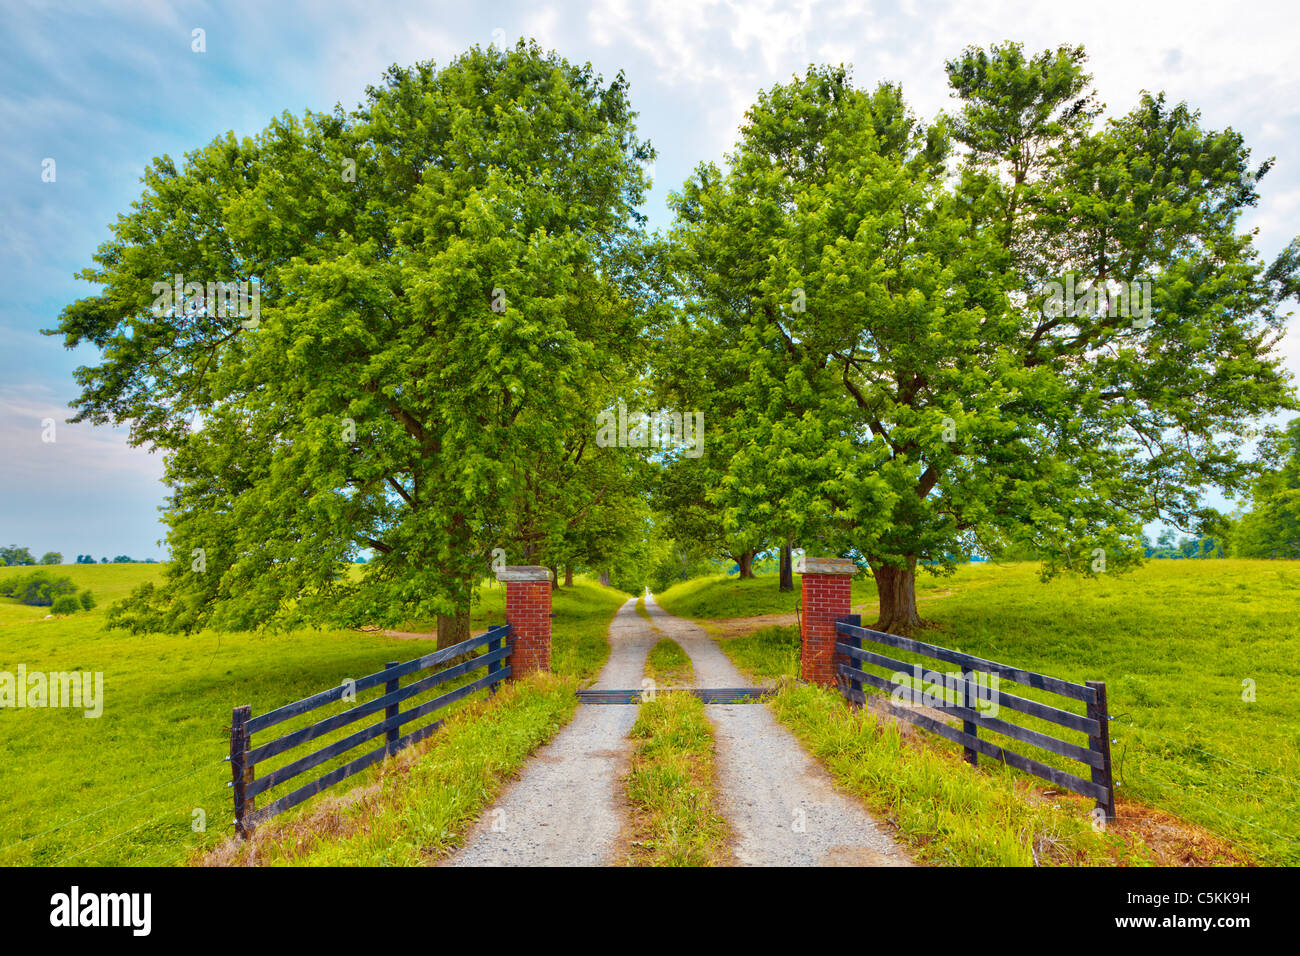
668,665
670,786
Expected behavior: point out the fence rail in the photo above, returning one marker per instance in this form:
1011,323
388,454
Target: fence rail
853,658
244,757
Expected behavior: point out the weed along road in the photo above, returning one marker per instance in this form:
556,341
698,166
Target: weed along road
567,807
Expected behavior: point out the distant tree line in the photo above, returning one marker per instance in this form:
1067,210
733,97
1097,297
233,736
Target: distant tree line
15,556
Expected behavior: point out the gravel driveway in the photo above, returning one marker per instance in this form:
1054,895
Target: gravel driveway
783,808
566,807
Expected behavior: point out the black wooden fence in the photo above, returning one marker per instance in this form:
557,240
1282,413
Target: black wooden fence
244,757
962,697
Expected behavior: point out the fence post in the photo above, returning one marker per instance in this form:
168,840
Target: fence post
969,726
1100,712
241,773
528,611
493,646
825,597
391,711
856,621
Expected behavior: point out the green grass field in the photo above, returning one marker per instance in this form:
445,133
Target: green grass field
725,595
1181,644
145,782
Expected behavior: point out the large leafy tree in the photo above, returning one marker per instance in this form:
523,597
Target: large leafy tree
1271,526
879,289
436,306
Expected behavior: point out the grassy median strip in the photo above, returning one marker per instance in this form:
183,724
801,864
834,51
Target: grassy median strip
668,665
425,799
670,786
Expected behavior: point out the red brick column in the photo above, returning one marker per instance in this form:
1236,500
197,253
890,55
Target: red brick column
825,596
528,608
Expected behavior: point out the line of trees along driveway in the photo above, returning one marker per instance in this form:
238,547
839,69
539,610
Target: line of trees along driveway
455,281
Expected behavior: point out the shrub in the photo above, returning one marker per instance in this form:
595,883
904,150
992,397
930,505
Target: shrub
66,604
38,589
87,600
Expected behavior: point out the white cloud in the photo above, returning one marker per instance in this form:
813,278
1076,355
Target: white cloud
30,414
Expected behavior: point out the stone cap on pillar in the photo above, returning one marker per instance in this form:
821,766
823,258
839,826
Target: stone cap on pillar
804,564
523,572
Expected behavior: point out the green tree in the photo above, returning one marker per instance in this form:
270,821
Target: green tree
436,303
38,589
13,556
65,604
889,296
87,599
1271,526
51,557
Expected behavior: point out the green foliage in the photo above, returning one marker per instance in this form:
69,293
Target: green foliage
1271,528
37,589
65,604
436,335
87,599
910,391
14,555
51,557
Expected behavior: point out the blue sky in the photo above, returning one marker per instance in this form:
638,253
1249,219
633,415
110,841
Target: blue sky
102,89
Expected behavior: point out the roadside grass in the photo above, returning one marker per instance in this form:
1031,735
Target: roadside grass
1176,642
949,814
419,805
641,608
145,783
671,788
766,654
668,665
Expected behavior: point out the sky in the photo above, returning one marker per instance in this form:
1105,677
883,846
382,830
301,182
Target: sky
102,89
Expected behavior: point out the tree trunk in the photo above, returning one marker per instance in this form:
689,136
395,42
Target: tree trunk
787,569
453,628
555,577
896,591
604,578
746,565
568,575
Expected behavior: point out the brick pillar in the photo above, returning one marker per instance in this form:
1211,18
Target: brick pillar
528,608
825,596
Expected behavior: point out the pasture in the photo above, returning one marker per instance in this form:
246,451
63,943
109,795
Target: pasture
1201,659
145,783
